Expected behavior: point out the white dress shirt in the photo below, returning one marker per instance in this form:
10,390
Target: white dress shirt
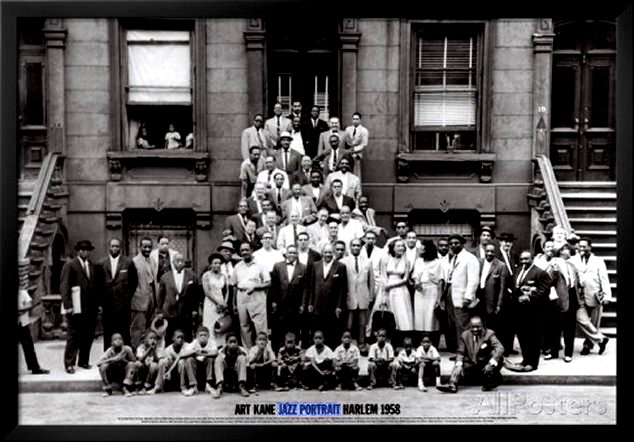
290,269
486,266
302,257
297,144
327,267
114,262
178,279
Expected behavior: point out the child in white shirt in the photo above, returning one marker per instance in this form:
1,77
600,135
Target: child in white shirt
429,362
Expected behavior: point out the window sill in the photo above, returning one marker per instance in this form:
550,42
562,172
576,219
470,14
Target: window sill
162,158
482,163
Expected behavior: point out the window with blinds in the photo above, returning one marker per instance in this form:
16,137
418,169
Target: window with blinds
445,89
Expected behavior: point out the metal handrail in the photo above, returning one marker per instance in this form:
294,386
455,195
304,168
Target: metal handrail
552,192
36,203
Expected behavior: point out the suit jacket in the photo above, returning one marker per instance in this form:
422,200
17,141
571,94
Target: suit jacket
353,188
489,348
179,301
117,291
359,141
294,160
317,234
261,230
300,177
465,277
272,194
327,294
479,252
307,190
73,274
534,277
360,284
270,127
494,286
330,204
313,257
559,283
144,298
237,227
341,153
285,236
253,207
593,277
309,209
324,143
154,259
288,294
311,141
250,138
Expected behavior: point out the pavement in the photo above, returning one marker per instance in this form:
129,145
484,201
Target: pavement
593,369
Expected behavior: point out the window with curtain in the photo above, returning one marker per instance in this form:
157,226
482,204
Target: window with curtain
446,86
159,86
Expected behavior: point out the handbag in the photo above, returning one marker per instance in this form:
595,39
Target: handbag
223,323
383,318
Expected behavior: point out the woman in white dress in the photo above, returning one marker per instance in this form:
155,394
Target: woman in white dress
215,303
428,279
395,276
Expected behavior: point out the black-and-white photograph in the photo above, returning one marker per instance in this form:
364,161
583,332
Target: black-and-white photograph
264,221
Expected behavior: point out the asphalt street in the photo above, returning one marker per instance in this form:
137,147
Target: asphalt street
509,404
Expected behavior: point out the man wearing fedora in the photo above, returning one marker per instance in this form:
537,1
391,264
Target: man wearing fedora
289,160
80,302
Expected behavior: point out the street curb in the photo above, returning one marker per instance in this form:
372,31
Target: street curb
90,385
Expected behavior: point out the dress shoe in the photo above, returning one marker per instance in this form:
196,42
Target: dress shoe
514,367
567,359
85,366
40,371
548,357
70,370
449,388
528,368
585,351
602,345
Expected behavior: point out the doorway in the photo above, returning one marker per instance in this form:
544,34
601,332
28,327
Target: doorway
583,101
303,65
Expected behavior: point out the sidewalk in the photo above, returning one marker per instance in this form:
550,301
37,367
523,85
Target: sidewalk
592,369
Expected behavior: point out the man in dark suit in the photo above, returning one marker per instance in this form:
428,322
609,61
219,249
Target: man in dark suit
327,295
302,176
78,278
331,158
179,298
237,223
254,201
303,205
314,127
278,193
335,200
289,160
117,279
510,257
529,297
492,288
316,189
288,287
487,236
480,356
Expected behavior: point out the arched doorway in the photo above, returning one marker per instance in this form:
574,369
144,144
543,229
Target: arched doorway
583,141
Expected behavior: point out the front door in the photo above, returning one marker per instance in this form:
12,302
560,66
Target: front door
583,101
303,65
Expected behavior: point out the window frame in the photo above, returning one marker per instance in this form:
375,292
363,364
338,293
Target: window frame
485,42
119,77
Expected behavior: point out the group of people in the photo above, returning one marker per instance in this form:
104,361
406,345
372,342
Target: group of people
300,271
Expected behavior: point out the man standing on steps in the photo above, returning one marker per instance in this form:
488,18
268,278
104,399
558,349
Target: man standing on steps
143,301
595,283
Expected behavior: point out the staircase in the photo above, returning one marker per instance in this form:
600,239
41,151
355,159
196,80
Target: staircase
591,210
41,211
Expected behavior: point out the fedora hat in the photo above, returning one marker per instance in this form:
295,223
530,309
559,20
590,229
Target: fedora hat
84,245
226,245
286,134
507,237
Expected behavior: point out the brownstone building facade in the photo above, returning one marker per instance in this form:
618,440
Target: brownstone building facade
458,111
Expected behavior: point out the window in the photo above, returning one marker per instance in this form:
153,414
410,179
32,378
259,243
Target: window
158,61
446,87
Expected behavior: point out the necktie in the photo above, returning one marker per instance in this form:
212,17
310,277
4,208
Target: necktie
508,262
279,197
278,125
259,138
520,278
286,159
86,268
294,234
314,124
453,266
354,132
334,159
356,264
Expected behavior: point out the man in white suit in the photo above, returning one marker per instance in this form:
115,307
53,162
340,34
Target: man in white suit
360,289
462,283
324,137
351,182
303,205
594,279
318,231
276,125
357,139
288,234
254,136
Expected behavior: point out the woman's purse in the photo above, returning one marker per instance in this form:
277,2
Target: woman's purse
223,323
383,318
